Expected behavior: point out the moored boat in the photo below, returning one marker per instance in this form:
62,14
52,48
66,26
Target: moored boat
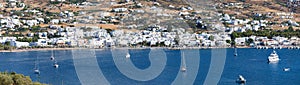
241,79
273,57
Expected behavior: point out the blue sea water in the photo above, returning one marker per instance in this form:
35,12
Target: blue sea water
251,63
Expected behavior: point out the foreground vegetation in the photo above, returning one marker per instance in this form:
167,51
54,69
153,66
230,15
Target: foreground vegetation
13,78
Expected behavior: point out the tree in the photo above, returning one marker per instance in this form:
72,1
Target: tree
212,38
250,40
6,80
234,35
290,29
20,79
248,33
16,79
228,41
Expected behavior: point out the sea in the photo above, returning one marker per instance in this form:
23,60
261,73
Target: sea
156,66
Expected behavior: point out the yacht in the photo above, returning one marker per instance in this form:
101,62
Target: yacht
241,79
273,57
183,67
127,55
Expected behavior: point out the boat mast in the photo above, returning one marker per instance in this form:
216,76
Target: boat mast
183,61
36,67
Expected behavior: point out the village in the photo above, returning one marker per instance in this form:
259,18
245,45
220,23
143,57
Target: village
139,24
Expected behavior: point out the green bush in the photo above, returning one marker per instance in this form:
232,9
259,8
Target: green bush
16,79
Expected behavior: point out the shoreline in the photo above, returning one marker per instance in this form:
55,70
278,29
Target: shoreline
170,48
37,49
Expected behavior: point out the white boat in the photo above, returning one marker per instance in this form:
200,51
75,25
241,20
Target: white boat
52,56
36,67
127,55
241,79
36,71
273,57
183,65
286,69
55,65
274,47
235,52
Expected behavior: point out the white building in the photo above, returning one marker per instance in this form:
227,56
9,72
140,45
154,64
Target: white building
19,44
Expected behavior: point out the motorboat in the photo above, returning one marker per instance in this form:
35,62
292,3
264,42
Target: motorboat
273,57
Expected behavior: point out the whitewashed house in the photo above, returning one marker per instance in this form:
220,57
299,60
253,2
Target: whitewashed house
19,44
42,42
240,41
54,21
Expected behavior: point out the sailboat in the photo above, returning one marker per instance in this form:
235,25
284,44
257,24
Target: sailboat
127,55
55,65
52,56
235,51
36,67
183,67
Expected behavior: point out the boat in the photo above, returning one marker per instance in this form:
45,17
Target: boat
55,65
235,52
36,67
273,57
183,67
286,69
127,55
52,56
36,71
241,79
267,47
274,47
280,47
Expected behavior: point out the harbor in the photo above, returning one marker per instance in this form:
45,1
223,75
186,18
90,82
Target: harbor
251,63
